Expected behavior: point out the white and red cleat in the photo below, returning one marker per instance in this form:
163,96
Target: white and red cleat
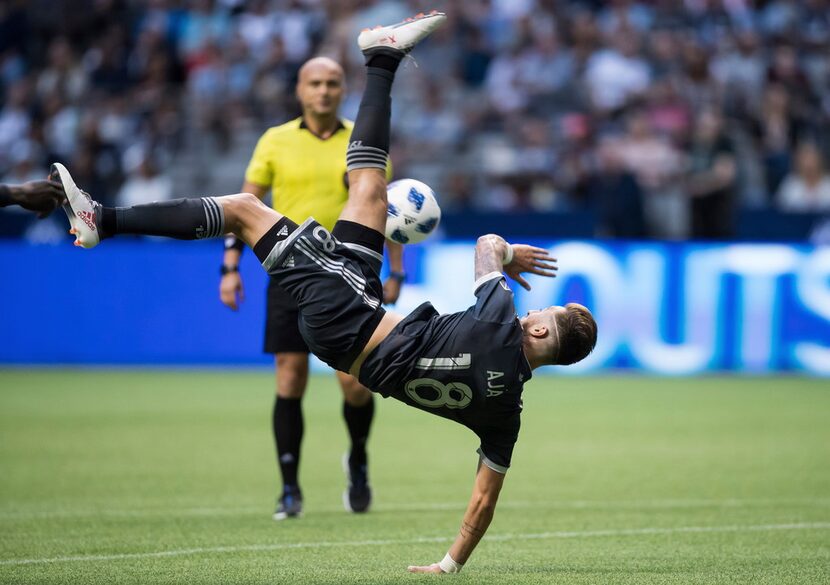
83,211
401,36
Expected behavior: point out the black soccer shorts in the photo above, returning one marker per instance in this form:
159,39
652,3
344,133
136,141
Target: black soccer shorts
335,279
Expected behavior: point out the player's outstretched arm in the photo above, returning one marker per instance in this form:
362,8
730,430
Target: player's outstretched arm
477,519
231,291
494,254
42,197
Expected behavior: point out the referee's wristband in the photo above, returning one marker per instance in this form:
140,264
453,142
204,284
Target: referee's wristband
399,276
448,565
223,270
508,254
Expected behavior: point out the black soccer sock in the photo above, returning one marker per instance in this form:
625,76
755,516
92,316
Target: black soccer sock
109,220
358,422
388,59
183,219
287,423
369,143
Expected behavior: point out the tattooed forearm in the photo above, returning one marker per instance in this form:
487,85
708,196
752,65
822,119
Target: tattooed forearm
489,253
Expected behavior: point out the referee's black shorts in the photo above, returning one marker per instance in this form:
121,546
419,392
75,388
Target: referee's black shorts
334,279
282,333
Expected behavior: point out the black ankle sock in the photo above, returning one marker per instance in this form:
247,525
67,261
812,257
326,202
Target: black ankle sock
369,143
278,232
183,219
387,61
358,422
288,427
108,222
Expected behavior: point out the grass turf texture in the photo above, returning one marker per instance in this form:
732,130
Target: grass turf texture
157,477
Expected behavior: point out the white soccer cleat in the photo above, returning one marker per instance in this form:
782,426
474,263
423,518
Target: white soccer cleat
81,209
401,36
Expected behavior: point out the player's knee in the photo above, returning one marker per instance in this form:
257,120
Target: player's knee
242,206
248,203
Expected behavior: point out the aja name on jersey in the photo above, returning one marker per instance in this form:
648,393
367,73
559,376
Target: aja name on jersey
468,367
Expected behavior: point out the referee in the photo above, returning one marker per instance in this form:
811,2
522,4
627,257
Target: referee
303,163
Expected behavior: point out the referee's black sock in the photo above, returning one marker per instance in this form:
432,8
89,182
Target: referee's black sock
369,143
358,422
183,219
287,423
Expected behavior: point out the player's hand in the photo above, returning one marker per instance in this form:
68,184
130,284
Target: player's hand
433,568
531,260
42,197
231,292
391,291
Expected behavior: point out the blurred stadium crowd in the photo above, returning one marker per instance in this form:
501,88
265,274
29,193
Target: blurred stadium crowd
661,117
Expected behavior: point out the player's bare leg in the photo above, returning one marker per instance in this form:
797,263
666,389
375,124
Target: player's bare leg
367,198
247,217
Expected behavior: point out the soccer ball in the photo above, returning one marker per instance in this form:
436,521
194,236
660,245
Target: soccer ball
412,213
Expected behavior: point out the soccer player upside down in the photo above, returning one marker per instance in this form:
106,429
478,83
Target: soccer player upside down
438,363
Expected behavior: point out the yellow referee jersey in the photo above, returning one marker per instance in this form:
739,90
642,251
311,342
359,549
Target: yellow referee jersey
307,174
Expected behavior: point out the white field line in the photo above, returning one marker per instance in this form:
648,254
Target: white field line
207,511
423,540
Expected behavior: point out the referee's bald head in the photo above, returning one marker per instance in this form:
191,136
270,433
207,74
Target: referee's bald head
320,87
319,64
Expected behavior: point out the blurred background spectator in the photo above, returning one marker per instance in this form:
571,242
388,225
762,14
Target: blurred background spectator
660,118
807,188
144,182
710,183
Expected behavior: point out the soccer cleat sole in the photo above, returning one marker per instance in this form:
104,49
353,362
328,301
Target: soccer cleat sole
79,210
402,36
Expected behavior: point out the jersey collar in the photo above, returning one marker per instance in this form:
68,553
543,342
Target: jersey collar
340,126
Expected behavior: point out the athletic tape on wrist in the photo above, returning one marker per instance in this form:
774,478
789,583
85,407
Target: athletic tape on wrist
448,565
508,255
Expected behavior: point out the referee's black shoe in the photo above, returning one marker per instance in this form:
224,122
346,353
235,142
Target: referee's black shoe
358,495
290,504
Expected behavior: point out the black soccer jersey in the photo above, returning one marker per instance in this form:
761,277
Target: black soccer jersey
468,367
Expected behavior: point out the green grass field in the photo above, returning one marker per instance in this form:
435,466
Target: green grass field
169,477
